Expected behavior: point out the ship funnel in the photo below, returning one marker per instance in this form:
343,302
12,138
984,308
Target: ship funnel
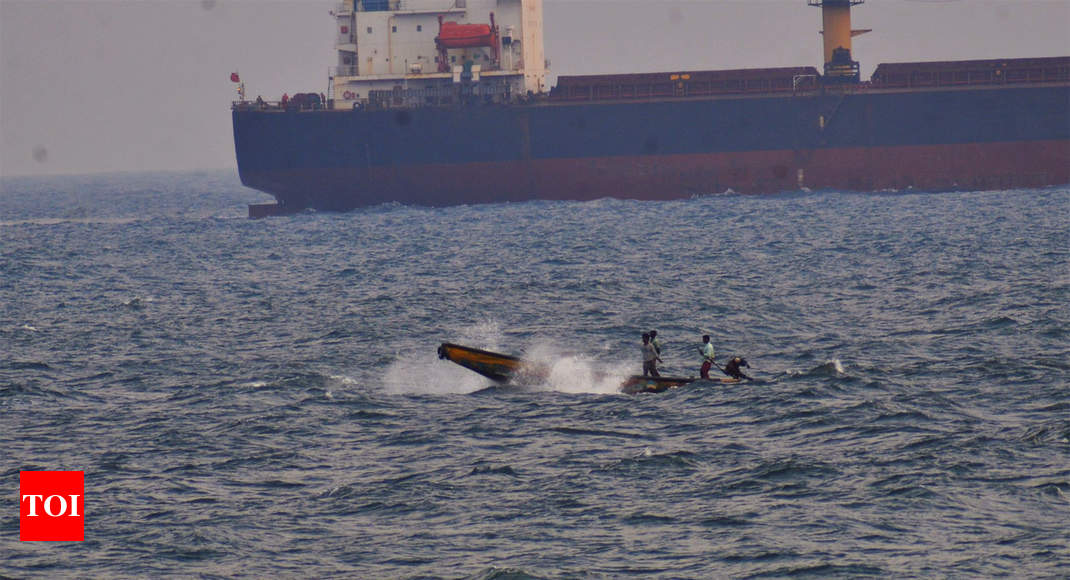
836,20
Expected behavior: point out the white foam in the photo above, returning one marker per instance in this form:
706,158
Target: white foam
576,373
424,374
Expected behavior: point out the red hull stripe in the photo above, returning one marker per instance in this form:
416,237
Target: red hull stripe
975,166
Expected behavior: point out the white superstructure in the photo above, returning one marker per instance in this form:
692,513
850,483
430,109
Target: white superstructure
430,52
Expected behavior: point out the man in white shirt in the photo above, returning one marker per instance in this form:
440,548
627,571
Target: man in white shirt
650,358
706,350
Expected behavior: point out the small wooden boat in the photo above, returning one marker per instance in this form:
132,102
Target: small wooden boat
510,370
636,384
500,368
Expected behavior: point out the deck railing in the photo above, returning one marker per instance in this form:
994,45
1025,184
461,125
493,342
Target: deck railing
347,70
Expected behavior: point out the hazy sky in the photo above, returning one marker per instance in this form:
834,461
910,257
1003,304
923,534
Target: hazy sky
90,86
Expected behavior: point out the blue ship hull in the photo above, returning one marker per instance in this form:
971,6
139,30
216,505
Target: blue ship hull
863,140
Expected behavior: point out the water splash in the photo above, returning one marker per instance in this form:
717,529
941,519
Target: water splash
425,374
832,368
576,373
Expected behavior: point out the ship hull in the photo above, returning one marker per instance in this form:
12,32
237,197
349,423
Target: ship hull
933,140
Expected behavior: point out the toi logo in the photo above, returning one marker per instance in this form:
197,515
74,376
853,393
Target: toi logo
51,506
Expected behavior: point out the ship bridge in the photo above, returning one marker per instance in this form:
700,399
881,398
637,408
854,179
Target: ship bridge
430,52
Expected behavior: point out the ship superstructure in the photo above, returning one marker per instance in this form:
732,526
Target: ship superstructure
410,53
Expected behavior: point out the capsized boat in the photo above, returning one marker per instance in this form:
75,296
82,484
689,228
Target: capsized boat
636,384
500,368
511,370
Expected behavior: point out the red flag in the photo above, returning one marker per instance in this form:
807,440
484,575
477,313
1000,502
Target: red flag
234,78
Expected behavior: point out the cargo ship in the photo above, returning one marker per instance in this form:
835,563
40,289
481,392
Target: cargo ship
445,102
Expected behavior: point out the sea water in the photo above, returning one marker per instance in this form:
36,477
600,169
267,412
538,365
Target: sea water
263,397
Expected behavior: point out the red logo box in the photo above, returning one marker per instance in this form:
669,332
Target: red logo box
51,506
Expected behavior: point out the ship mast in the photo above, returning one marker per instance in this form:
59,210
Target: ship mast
840,66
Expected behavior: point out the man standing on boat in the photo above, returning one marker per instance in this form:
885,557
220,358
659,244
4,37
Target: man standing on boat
706,350
650,357
654,341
